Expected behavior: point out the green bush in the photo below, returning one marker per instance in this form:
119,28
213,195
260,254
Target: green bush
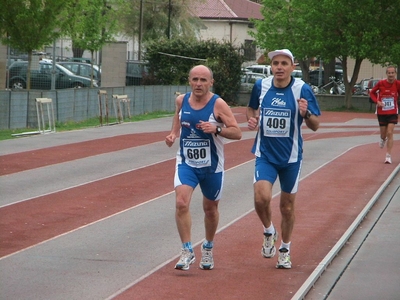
169,62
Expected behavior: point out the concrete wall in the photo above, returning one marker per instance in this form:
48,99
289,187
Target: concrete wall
235,32
367,70
326,102
113,66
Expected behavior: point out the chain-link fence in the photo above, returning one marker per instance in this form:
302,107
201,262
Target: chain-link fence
70,68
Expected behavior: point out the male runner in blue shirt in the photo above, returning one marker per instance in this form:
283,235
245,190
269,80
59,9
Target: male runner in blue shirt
202,120
278,105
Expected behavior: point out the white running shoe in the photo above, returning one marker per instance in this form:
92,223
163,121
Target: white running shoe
284,259
186,259
268,249
388,159
382,143
207,260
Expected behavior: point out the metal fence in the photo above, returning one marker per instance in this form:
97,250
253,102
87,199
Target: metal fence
18,108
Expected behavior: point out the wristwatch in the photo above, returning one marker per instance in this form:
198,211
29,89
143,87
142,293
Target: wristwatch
307,115
218,130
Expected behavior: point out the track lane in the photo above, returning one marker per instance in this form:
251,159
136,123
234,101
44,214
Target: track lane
243,233
328,202
27,223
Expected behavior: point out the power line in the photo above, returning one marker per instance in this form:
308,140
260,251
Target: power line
180,56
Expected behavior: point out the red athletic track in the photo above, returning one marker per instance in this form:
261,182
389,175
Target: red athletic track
328,202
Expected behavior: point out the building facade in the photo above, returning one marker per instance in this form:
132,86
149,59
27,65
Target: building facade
230,21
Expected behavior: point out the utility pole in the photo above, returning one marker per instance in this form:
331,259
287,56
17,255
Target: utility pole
169,19
320,73
140,30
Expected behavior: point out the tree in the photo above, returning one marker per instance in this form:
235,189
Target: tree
282,27
159,18
333,29
95,26
359,31
29,25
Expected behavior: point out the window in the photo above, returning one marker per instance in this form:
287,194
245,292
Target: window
46,69
85,71
249,50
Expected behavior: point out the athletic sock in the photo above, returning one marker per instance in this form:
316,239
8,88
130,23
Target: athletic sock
208,244
270,229
285,245
187,245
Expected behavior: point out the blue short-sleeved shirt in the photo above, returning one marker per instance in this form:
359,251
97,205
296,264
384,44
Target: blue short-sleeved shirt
279,136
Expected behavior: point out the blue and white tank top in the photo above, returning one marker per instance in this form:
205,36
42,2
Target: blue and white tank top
203,151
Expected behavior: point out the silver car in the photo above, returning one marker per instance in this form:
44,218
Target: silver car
248,80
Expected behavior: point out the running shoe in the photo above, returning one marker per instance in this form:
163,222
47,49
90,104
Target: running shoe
388,159
382,143
268,249
186,259
207,260
284,259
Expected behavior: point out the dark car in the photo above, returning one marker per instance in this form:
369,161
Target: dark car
41,76
135,71
82,69
314,75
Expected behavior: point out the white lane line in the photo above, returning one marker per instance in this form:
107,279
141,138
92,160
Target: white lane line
88,182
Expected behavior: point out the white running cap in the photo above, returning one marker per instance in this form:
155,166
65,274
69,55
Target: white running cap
285,52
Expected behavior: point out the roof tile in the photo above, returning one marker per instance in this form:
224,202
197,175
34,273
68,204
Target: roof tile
228,9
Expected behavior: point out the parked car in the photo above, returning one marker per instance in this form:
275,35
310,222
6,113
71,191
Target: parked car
79,59
371,84
41,76
82,69
361,87
314,77
135,71
297,74
248,80
261,69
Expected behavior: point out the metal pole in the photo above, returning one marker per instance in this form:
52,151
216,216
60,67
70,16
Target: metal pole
169,19
320,73
53,71
8,65
140,30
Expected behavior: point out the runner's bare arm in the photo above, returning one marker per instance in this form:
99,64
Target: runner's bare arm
312,122
253,116
176,126
223,112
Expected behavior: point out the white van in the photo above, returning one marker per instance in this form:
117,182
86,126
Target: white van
262,69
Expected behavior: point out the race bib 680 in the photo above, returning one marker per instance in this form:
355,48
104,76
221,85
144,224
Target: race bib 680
197,152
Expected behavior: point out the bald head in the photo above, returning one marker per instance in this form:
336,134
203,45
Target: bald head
201,80
204,70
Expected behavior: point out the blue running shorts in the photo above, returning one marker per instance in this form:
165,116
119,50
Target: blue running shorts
289,174
211,184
